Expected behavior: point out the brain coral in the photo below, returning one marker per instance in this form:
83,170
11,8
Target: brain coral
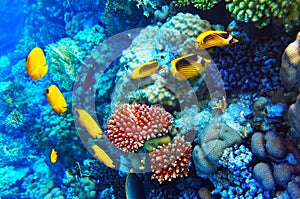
265,12
163,43
177,35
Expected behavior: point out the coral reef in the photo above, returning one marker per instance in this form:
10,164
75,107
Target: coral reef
10,177
60,132
211,143
149,6
176,36
257,71
87,181
280,160
131,125
171,161
113,17
290,66
263,13
199,4
48,17
41,182
67,55
5,68
162,43
235,177
293,115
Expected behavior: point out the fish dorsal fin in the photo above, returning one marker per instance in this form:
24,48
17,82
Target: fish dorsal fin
224,35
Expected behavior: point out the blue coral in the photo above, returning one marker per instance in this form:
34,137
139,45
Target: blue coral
235,178
248,66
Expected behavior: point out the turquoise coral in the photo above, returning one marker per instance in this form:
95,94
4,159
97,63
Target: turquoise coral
264,12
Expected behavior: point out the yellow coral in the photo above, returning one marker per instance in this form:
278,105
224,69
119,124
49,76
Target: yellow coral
293,50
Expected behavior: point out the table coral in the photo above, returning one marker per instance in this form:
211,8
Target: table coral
264,12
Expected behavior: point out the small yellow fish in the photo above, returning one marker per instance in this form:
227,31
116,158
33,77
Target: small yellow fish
56,99
188,66
86,120
144,70
53,156
102,156
36,65
213,38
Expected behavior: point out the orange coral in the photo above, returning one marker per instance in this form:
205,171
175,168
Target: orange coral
131,125
171,161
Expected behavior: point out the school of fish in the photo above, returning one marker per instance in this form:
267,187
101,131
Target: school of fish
182,68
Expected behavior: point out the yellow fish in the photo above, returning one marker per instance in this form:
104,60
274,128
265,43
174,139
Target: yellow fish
86,120
213,38
102,156
188,66
144,70
53,156
56,99
36,65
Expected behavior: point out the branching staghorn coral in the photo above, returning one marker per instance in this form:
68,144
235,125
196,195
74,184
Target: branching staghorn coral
265,12
199,4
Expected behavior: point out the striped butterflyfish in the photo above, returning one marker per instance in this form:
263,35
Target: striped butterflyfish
188,66
213,38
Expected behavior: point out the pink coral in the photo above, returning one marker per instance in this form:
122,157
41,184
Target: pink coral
131,125
171,161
